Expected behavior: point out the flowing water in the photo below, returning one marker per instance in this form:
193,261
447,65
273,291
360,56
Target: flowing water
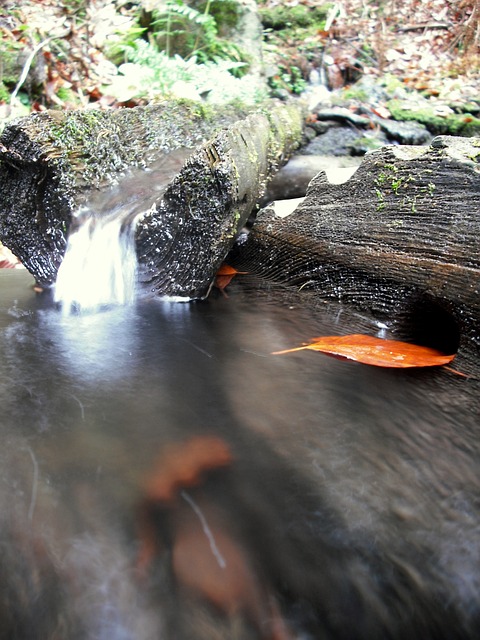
163,475
100,263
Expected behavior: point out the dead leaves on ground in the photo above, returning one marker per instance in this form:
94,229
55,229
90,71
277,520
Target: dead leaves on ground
378,352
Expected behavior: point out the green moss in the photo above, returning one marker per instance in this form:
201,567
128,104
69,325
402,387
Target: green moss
391,83
399,190
380,200
67,95
4,93
362,144
10,67
225,12
453,124
281,17
355,93
288,78
285,132
78,128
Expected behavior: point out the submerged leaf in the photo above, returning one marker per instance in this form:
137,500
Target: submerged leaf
376,351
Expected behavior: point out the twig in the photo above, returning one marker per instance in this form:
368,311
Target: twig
26,68
33,499
426,25
206,529
28,63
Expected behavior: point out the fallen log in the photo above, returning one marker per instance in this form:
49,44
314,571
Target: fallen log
53,162
402,236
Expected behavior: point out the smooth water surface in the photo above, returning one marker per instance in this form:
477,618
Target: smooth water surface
164,476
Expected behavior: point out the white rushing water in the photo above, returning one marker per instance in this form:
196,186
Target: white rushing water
100,264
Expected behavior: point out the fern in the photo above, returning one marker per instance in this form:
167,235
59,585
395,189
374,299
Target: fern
183,30
150,73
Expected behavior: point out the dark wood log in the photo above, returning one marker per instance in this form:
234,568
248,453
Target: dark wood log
401,236
183,240
51,163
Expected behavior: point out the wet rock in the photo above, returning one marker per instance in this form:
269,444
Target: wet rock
293,179
438,117
342,115
368,142
404,132
336,141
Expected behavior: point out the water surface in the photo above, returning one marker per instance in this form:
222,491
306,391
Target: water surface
165,476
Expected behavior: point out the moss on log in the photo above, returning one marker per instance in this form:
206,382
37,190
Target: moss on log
405,229
52,162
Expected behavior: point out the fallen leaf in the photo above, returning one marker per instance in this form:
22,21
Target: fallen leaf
225,275
184,464
375,351
381,112
6,264
208,557
180,466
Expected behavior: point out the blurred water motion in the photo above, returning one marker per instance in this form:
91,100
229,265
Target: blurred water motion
100,263
164,476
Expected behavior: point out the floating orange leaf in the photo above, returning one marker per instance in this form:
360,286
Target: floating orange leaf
224,276
376,351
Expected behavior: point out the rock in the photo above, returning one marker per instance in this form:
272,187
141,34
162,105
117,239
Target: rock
438,118
334,142
340,114
404,132
293,179
370,141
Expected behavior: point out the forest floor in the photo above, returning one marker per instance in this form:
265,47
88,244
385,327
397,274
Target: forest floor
431,46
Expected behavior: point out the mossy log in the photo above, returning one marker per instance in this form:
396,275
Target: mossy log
403,234
53,162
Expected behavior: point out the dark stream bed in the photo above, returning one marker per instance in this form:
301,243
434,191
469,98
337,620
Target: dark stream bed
163,475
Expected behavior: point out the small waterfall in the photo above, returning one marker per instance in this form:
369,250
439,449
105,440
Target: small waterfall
100,263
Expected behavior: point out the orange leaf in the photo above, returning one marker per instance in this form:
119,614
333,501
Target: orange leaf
376,351
227,270
183,465
224,276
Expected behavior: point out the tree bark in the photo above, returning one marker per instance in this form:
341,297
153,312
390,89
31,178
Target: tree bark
404,231
53,162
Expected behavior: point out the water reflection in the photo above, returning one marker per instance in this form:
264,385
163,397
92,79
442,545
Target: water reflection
164,476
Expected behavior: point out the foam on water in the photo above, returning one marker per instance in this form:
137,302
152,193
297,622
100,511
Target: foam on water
100,265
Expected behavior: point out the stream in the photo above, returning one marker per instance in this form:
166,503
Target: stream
165,476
